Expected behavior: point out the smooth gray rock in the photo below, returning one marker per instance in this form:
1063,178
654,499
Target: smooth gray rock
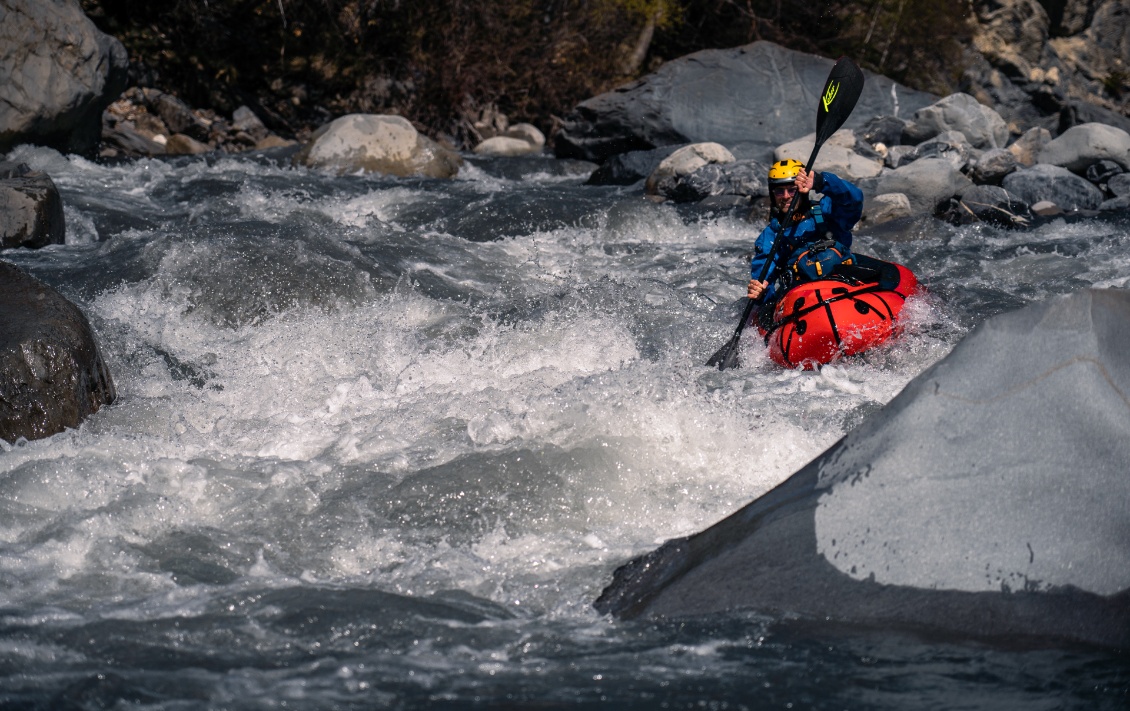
58,73
1080,146
758,93
987,500
884,208
377,143
926,183
31,210
1055,184
52,375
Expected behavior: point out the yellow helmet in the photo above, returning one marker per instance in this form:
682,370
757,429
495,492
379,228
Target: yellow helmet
784,172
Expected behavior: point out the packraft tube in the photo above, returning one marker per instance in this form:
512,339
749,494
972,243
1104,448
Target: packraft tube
817,322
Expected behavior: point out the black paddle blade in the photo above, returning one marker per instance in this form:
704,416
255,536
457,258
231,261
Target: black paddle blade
727,355
841,92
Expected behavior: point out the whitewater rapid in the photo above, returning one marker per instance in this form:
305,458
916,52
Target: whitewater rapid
486,393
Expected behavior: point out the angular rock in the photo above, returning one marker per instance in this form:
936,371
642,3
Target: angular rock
244,119
884,208
948,509
370,143
993,165
664,181
1028,146
1080,146
982,126
1055,184
949,146
706,97
926,183
59,72
1100,173
837,155
1119,185
721,184
992,204
882,129
31,210
898,155
178,117
52,375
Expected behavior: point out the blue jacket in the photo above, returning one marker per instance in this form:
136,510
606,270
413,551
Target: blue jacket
841,207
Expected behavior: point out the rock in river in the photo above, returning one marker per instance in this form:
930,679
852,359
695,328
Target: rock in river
760,93
52,375
988,499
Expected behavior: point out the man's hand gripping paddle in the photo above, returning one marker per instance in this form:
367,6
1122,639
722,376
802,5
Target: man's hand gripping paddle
841,92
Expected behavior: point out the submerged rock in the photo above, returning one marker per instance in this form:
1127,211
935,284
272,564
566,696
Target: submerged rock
52,375
988,499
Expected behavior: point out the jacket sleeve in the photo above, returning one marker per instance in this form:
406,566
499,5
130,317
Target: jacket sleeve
761,249
842,206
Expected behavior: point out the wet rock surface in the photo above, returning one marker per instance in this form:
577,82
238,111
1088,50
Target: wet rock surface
973,452
31,210
52,375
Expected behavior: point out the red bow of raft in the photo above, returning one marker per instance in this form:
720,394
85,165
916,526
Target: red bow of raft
817,322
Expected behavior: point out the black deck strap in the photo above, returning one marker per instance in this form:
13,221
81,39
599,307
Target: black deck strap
822,302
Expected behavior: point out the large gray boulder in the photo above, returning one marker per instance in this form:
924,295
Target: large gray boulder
758,93
31,210
58,74
1081,146
1054,184
374,143
988,500
926,183
52,375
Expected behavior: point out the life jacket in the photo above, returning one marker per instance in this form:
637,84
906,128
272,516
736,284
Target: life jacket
817,260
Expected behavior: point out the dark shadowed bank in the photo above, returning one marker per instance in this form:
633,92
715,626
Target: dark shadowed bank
444,64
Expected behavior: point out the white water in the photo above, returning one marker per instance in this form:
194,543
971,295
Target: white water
353,384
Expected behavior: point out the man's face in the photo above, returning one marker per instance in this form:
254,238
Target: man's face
782,195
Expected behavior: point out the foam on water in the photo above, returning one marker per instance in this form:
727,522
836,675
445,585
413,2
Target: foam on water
328,384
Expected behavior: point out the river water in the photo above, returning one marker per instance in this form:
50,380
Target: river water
380,443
